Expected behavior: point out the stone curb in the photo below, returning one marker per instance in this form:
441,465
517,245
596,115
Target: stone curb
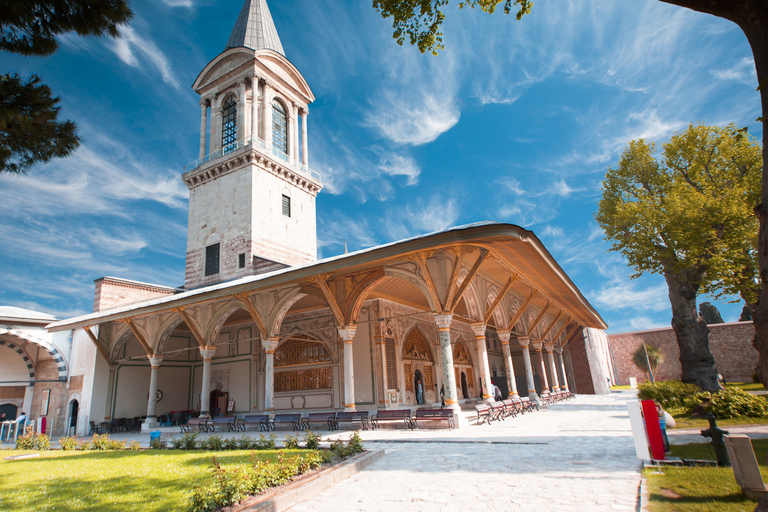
298,492
642,495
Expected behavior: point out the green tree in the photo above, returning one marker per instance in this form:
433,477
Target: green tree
645,355
420,21
30,131
689,218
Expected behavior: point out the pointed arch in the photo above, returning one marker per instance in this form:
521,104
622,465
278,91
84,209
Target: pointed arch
416,346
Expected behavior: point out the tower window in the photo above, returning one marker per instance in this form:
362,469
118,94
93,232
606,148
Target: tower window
229,125
241,260
279,127
212,259
286,206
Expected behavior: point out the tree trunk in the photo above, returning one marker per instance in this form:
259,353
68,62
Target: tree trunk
752,17
697,362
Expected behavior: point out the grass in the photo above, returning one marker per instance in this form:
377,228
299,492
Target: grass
620,388
109,480
701,489
684,421
746,386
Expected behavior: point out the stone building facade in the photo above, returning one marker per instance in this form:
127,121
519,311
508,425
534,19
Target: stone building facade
261,325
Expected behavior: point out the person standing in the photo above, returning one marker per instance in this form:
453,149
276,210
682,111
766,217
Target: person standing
419,393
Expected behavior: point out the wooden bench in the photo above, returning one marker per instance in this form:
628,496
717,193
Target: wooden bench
434,415
512,407
327,419
484,413
392,415
200,423
499,410
262,420
293,419
528,404
545,398
222,421
351,417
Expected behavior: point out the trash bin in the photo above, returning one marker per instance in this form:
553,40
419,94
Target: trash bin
154,436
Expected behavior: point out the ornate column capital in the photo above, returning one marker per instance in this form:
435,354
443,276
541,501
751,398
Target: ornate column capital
304,111
504,335
443,320
347,333
537,344
478,328
523,341
549,347
270,344
559,349
207,352
155,360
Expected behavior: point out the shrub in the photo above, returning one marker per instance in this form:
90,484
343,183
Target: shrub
103,442
186,442
230,444
134,445
246,443
229,486
212,443
291,442
735,402
312,440
266,444
69,443
355,444
671,394
31,440
157,444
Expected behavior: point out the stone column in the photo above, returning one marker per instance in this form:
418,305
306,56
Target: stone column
559,351
270,345
151,421
304,144
240,129
254,109
347,335
443,322
482,354
203,126
537,344
294,127
110,390
216,135
266,110
207,354
552,370
381,343
524,341
511,383
212,126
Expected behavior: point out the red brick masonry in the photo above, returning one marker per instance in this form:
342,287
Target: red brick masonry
731,345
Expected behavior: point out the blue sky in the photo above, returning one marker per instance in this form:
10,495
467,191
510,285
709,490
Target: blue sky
513,122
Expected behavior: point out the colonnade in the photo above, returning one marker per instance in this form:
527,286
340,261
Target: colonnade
254,120
347,336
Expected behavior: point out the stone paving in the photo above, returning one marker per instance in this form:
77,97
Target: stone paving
573,455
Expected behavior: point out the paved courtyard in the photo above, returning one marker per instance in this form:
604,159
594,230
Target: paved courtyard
574,455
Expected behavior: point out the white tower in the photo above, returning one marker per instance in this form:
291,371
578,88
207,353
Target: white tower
251,192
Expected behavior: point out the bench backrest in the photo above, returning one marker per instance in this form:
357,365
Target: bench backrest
287,417
224,419
393,413
252,418
482,407
351,416
321,415
433,413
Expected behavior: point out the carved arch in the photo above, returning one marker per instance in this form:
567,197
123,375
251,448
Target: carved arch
414,279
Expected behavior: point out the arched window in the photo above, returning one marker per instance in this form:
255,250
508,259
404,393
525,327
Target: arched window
302,351
279,127
229,124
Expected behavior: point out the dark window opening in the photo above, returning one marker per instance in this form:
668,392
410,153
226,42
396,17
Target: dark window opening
212,260
229,125
241,260
286,206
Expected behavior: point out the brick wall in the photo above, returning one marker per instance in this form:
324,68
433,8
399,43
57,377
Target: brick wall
730,344
111,293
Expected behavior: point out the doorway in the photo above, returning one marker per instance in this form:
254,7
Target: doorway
218,403
74,409
418,382
464,387
8,412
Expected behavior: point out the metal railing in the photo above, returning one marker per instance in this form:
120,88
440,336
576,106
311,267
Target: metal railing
267,149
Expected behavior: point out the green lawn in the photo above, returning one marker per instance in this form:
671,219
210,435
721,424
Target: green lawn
700,489
683,421
746,386
108,480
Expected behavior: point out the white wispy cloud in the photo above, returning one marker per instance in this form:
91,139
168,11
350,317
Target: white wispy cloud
130,43
419,217
742,71
625,294
179,3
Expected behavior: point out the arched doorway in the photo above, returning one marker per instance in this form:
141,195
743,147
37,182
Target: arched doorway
418,364
74,409
8,412
465,375
218,403
418,386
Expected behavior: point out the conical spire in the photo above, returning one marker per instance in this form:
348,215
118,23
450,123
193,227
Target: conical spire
255,29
